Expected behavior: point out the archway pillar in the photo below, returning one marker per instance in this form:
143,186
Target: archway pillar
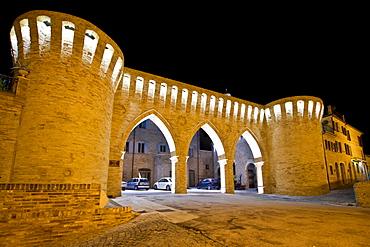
179,166
227,176
115,168
260,186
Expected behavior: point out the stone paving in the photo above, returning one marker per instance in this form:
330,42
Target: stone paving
244,219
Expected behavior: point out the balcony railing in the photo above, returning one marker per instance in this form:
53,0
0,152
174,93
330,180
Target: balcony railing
7,83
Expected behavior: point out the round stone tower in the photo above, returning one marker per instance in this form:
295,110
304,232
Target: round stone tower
74,69
295,146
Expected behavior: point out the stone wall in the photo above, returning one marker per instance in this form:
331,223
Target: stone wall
362,192
32,214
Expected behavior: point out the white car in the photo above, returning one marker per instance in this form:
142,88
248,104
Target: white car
163,184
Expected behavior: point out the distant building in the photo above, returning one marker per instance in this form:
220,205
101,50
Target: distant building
344,155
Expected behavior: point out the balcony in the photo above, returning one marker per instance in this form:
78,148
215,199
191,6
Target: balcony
7,83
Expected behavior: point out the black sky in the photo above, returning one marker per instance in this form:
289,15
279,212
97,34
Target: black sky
260,53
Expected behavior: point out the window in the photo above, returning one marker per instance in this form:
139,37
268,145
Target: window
117,68
162,148
142,147
348,149
194,99
191,152
331,170
26,36
107,57
144,124
68,32
44,30
289,109
14,43
184,97
277,112
90,44
139,85
163,92
348,135
151,90
360,141
300,107
207,166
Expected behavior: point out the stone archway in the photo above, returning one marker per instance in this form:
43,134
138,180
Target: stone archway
253,154
115,174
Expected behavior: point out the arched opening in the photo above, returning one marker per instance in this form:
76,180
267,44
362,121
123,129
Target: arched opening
205,153
148,149
248,164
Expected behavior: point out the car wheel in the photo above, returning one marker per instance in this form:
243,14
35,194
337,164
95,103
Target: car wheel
135,187
155,187
168,188
209,187
198,187
123,189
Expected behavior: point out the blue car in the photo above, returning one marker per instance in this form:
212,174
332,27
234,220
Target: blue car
209,183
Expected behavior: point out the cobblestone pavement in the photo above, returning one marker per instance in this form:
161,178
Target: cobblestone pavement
205,218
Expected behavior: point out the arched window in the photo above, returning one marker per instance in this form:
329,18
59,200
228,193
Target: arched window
262,114
228,108
174,96
212,104
220,106
163,92
256,111
90,44
249,113
277,112
184,97
107,57
14,43
139,85
300,108
203,102
126,82
44,30
194,99
318,110
289,109
236,109
242,112
117,69
268,114
68,33
310,108
26,36
151,90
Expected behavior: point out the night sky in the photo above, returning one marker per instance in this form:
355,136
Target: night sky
260,53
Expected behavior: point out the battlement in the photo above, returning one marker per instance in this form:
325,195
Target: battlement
297,107
46,33
163,92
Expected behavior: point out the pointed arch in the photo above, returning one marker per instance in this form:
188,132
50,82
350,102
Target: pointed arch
252,142
161,123
212,132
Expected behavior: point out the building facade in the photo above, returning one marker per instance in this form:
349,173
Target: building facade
344,154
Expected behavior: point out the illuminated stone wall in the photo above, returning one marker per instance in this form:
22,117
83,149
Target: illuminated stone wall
79,108
66,120
295,146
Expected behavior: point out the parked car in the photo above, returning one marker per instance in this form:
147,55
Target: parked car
209,183
138,183
163,184
124,185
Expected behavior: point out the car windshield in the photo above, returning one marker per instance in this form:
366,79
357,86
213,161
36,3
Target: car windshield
170,179
214,181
